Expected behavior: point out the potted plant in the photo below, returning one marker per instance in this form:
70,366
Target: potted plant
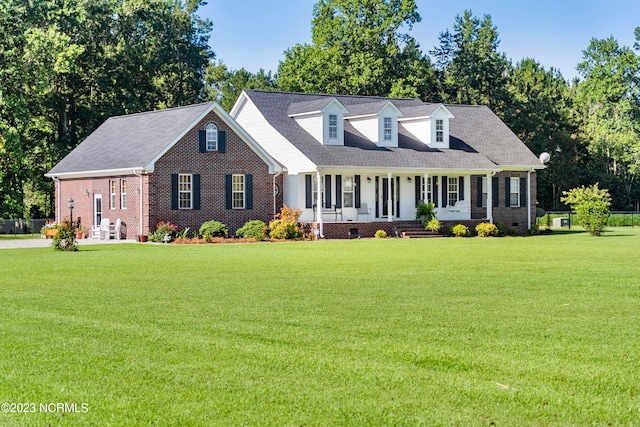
49,229
424,212
79,232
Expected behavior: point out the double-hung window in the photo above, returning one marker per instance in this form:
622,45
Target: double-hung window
514,195
212,137
185,191
388,126
485,184
453,191
112,194
238,191
333,126
123,194
439,130
347,191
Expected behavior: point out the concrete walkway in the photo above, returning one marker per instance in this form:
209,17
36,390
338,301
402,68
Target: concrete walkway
43,243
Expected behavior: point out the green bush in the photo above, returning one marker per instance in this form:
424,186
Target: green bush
500,226
65,239
591,205
485,229
380,234
425,210
286,226
433,225
255,229
460,230
162,229
214,229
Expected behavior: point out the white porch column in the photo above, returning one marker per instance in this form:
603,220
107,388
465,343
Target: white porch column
426,185
319,203
390,199
490,198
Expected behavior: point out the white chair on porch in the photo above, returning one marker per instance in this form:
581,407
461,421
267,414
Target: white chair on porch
114,230
363,210
102,229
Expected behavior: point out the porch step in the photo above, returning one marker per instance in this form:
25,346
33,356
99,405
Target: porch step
415,230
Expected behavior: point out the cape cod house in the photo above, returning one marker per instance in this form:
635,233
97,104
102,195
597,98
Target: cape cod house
355,162
185,165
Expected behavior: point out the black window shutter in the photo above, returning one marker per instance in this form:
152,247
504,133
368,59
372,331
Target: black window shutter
496,194
327,191
202,139
479,192
308,192
434,190
227,190
398,199
523,192
418,188
222,141
445,187
357,190
507,191
248,191
174,191
461,188
338,191
196,192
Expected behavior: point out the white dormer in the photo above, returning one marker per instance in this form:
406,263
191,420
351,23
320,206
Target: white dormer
379,126
431,129
326,124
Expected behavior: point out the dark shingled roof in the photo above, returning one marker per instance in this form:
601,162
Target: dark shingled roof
130,141
479,140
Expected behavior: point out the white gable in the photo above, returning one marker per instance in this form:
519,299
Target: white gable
432,130
325,125
376,129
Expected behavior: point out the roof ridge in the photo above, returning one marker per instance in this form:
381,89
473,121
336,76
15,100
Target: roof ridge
142,113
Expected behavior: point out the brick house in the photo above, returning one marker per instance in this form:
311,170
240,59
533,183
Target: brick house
185,165
363,163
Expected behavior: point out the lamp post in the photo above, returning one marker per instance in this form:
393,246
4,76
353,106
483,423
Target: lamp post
70,212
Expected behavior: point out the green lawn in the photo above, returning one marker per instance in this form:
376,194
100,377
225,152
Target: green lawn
539,331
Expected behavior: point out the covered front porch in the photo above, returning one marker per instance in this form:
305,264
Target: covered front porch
376,196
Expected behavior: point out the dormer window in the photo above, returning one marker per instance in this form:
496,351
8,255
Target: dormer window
333,126
212,137
388,129
439,130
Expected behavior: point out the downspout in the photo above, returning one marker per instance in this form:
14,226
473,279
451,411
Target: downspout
529,199
57,201
319,204
141,225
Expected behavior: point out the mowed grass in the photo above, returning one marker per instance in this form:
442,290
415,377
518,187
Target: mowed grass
537,331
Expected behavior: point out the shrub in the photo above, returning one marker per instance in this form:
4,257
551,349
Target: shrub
286,226
460,230
425,210
485,229
380,234
214,229
512,232
253,229
500,226
433,225
65,240
591,205
162,229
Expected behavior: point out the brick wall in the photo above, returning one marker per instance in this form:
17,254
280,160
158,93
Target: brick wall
239,158
511,217
83,190
340,230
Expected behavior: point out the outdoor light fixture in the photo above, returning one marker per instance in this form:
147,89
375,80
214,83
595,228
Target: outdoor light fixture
368,179
86,192
70,211
409,178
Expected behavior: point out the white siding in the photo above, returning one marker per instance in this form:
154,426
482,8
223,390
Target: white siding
421,129
271,140
290,193
368,127
311,124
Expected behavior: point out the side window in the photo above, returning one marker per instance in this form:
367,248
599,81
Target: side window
212,137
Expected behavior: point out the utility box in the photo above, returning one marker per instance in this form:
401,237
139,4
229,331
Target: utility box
560,222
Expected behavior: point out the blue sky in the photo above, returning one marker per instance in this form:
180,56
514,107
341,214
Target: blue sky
254,35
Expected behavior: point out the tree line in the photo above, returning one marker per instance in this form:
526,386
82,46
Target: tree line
65,67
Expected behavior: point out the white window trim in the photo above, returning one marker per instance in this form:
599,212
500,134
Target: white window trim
345,179
453,187
123,194
333,127
439,130
387,129
112,194
485,191
211,129
234,191
515,189
181,191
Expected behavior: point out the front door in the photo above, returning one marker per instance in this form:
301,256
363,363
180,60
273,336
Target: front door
97,209
382,197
